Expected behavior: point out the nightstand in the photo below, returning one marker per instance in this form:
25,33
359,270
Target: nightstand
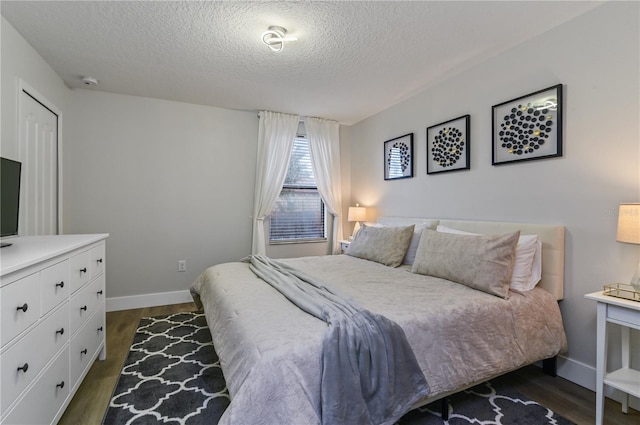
344,246
625,313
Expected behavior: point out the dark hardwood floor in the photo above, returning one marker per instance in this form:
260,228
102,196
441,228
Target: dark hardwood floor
90,402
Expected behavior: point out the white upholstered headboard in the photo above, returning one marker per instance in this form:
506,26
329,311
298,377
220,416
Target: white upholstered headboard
552,237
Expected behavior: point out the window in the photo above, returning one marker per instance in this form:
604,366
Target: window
298,214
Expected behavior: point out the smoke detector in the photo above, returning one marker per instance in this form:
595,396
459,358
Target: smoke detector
89,81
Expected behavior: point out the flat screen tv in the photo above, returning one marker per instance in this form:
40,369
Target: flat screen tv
9,198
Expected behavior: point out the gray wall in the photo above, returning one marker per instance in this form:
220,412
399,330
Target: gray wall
596,57
20,61
169,181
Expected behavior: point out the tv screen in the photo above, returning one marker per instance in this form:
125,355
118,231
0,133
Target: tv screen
9,196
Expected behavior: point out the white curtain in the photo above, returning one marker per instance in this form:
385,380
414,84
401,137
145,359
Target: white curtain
275,141
324,143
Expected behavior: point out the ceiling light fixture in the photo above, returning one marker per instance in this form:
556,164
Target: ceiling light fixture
274,37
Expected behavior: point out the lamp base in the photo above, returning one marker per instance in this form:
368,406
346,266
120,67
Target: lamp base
356,229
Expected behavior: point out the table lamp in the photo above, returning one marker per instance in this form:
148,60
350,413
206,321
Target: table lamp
629,232
357,214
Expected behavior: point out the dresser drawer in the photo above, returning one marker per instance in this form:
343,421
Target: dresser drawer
43,401
34,350
19,306
79,270
84,303
85,345
46,274
54,285
97,260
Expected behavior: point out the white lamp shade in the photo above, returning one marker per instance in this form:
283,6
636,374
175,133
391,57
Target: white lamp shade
357,214
629,223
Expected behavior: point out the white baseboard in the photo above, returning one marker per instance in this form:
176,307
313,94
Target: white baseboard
148,300
585,376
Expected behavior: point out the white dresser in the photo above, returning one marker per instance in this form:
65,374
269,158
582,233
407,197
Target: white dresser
52,323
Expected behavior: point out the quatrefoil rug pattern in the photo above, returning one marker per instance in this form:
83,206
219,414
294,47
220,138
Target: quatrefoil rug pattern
172,375
486,404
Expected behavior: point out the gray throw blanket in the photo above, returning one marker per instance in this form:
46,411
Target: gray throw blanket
369,372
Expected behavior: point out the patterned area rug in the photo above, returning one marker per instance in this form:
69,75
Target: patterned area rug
172,375
486,404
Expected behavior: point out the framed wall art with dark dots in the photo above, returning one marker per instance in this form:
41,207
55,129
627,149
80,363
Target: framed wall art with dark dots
529,127
448,145
398,157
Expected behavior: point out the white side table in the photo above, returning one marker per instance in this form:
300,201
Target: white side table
344,246
625,313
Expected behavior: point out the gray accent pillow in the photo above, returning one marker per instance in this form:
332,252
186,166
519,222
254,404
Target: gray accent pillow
385,245
482,262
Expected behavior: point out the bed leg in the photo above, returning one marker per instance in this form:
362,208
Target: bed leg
445,409
550,366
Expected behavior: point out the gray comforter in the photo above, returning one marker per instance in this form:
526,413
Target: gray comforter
271,351
369,373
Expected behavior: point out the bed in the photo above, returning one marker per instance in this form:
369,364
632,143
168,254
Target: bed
271,351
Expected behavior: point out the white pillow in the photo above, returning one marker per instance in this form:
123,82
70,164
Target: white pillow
410,256
536,268
527,267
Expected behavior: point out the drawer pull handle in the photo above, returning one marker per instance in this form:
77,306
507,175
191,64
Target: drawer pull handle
100,329
99,260
83,351
60,285
99,292
83,270
24,368
60,331
84,307
60,385
24,308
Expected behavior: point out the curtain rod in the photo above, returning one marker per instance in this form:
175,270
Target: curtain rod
302,117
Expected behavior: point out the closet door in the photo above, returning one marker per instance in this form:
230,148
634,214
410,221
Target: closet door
38,152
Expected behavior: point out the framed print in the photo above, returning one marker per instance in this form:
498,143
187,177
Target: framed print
529,127
448,145
398,157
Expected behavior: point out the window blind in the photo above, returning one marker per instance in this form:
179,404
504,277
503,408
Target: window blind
298,213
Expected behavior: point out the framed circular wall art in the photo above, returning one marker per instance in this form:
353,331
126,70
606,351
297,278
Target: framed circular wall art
528,127
448,145
398,157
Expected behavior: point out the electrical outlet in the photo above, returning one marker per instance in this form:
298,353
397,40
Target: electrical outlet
182,265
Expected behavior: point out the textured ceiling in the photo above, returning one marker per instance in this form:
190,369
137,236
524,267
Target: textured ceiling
351,60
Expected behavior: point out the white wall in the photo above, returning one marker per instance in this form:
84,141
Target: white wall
22,68
169,181
18,60
596,57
